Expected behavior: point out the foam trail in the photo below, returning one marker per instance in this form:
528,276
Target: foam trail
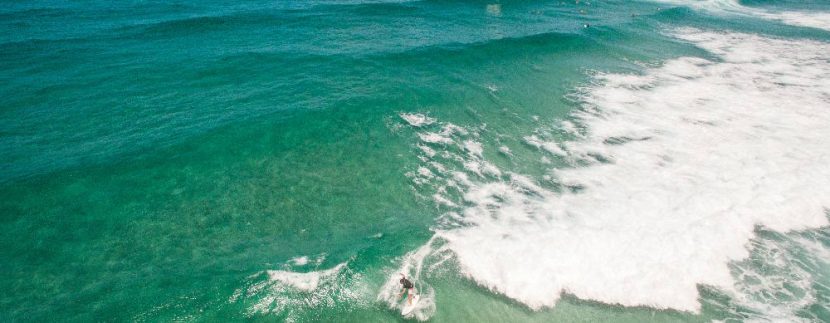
290,294
412,266
302,281
683,163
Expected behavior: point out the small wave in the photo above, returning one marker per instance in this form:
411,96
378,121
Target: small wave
202,24
819,20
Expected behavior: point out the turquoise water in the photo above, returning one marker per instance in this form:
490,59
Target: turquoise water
159,159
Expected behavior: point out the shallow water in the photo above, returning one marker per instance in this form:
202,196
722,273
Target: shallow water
285,161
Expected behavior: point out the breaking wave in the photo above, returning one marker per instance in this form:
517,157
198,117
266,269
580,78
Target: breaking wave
812,19
671,175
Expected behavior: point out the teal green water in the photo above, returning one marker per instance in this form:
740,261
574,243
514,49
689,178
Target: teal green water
155,156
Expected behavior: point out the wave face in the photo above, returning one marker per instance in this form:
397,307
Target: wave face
672,171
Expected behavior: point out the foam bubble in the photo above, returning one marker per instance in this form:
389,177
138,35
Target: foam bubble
425,172
302,281
299,261
782,286
290,294
473,147
434,138
549,146
417,119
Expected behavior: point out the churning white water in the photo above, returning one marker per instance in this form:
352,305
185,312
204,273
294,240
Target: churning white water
674,172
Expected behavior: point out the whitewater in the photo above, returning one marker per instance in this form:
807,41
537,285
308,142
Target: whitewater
672,173
664,180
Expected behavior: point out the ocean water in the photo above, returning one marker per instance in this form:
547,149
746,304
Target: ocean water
544,161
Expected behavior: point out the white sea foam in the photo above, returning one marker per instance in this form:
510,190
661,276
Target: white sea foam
435,138
417,119
412,267
299,261
425,172
289,294
308,281
549,146
305,260
678,167
820,20
783,285
473,147
428,151
813,19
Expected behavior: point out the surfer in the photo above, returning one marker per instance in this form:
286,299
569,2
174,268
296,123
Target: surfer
408,288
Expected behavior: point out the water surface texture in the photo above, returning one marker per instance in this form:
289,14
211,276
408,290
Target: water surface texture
543,161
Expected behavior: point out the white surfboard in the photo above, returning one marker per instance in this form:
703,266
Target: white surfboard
407,307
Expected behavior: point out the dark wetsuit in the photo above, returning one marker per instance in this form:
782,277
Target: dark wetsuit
406,283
